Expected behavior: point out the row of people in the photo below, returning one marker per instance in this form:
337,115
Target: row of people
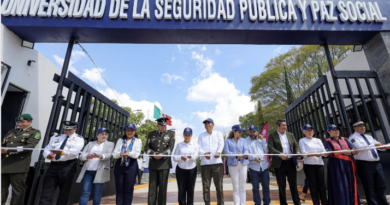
342,172
96,170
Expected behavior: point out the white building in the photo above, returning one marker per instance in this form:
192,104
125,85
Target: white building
28,88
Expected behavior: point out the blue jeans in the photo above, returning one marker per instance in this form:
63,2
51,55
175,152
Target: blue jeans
88,186
256,178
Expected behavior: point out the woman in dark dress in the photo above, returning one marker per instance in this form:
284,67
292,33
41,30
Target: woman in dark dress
342,187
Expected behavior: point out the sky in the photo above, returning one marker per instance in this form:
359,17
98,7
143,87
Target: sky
188,82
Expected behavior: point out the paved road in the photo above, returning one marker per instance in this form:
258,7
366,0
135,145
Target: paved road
141,192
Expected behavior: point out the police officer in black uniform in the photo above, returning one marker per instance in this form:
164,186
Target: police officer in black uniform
160,142
63,152
15,163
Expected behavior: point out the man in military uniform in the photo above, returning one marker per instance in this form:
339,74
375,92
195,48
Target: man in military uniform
63,152
15,163
160,142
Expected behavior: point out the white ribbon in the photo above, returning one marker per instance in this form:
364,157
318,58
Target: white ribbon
227,155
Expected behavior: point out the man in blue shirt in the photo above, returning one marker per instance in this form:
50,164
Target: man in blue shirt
258,165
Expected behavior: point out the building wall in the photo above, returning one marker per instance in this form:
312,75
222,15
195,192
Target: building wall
36,79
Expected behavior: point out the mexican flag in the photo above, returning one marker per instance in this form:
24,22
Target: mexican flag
157,112
169,122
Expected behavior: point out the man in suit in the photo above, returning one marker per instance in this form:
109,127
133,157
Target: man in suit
283,142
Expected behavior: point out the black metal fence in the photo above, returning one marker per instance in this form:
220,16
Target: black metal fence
91,110
320,106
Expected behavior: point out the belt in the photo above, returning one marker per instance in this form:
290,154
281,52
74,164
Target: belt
287,159
64,162
364,161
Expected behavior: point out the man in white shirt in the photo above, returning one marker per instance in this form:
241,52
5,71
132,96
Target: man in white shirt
63,164
211,144
367,163
141,163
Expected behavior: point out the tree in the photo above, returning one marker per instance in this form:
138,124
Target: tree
143,127
252,118
144,130
319,71
259,117
289,75
246,121
290,97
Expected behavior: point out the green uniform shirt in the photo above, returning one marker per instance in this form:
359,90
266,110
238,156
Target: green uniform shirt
14,161
164,144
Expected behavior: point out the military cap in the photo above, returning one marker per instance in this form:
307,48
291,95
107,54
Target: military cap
162,121
70,125
23,117
358,121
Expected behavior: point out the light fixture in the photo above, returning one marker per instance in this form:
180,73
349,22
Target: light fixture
30,61
27,44
357,48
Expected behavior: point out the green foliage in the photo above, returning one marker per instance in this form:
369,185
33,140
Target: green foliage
143,128
256,118
137,118
288,76
259,117
246,121
290,97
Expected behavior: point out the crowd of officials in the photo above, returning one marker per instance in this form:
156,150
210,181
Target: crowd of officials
243,154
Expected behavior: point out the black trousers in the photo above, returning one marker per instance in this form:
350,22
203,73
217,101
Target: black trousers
139,175
158,184
316,180
186,179
18,182
59,174
287,169
124,181
373,181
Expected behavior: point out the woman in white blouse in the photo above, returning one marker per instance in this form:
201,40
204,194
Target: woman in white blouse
314,165
96,171
127,150
185,155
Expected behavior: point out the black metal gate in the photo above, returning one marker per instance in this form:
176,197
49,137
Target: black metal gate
319,106
362,96
91,110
